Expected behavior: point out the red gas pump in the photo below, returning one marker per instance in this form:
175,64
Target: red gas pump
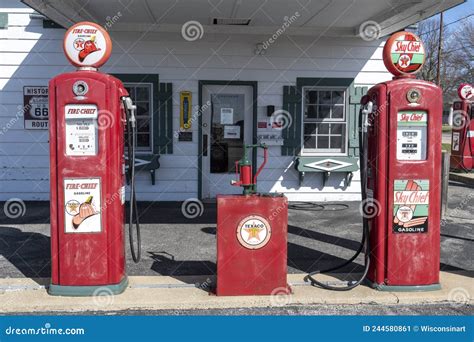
251,237
88,110
400,158
462,136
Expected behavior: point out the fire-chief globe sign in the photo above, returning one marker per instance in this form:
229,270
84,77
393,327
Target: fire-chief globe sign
87,44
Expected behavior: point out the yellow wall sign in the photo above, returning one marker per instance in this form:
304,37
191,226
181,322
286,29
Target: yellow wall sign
185,109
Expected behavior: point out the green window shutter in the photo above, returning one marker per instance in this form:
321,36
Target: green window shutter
3,21
355,95
164,124
292,133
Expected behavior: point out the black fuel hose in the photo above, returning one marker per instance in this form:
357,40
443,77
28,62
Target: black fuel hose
131,143
364,243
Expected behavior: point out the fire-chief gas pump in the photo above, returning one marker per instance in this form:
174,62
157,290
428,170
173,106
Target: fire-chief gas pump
462,136
88,111
400,161
251,236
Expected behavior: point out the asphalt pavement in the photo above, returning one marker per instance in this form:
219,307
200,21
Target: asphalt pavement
173,245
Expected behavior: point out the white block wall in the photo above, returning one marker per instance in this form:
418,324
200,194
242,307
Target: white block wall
31,55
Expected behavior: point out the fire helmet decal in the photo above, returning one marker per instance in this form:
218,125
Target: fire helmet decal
253,232
403,54
87,44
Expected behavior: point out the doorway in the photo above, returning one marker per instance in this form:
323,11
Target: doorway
227,123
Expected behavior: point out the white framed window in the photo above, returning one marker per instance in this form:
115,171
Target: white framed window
142,96
324,130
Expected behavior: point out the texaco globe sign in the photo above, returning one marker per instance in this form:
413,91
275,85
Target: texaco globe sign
465,91
403,54
253,232
87,44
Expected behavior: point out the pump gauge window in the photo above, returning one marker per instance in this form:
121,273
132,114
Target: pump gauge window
411,135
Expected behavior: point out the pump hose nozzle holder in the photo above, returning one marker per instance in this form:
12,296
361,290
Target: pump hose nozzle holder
243,170
131,144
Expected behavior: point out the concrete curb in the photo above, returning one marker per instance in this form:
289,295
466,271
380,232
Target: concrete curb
466,178
187,293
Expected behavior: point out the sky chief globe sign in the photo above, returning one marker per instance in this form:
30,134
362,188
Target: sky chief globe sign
465,91
403,54
87,44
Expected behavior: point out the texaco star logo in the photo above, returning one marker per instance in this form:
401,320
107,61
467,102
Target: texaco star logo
253,232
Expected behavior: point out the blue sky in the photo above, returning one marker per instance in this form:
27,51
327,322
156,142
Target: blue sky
459,11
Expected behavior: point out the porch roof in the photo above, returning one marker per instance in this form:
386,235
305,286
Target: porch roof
339,18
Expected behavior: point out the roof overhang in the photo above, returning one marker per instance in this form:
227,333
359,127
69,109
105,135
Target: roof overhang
324,18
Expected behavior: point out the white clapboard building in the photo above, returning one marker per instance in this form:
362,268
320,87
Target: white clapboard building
286,73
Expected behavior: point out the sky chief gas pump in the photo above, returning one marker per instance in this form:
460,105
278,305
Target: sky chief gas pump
462,136
400,161
88,114
251,236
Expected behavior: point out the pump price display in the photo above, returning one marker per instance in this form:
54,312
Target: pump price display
411,135
81,129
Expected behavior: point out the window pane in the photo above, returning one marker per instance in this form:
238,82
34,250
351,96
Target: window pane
311,97
131,92
142,93
143,125
323,142
309,141
336,142
310,112
143,108
337,97
324,112
323,128
325,97
309,128
337,128
143,140
337,112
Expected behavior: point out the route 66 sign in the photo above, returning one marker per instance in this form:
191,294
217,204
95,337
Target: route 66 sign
35,107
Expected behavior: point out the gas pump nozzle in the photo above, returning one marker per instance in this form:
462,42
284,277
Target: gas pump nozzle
366,110
130,109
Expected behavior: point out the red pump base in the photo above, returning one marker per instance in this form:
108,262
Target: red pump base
252,245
